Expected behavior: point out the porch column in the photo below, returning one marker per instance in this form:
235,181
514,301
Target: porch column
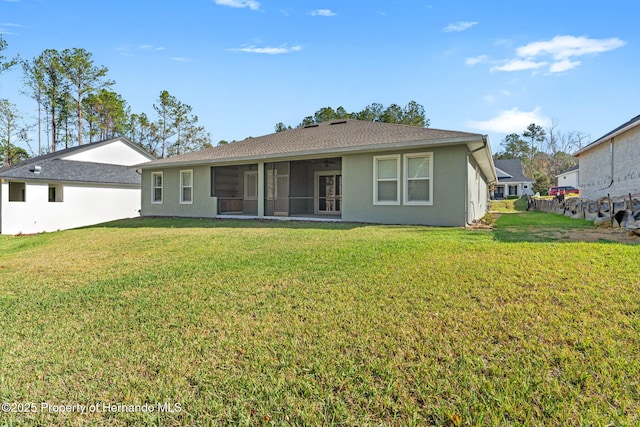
260,189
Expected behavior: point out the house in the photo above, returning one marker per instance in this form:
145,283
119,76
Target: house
569,178
78,186
611,164
511,180
345,170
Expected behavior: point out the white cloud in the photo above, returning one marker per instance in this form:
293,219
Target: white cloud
564,65
5,25
476,60
561,49
322,12
150,47
459,26
251,4
181,59
268,50
519,65
510,121
564,47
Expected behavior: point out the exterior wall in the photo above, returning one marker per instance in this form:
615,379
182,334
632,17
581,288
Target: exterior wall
568,179
459,195
81,205
449,190
204,205
115,153
478,192
612,167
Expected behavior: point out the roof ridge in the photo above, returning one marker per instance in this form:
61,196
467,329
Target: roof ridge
622,126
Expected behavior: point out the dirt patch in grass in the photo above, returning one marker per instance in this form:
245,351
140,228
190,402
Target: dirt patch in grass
560,234
619,235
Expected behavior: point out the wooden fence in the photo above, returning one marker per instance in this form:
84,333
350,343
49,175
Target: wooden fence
606,211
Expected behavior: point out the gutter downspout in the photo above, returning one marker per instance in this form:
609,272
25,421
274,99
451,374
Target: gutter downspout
611,145
466,175
612,161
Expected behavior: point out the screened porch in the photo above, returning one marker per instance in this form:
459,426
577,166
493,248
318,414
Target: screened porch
302,188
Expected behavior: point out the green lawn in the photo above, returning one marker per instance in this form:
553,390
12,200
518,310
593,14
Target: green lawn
508,205
268,323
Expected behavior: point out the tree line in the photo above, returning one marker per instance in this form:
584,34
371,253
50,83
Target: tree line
75,105
544,153
412,114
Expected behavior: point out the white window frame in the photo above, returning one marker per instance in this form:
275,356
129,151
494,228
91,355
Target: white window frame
153,188
406,179
22,190
182,187
247,175
395,157
58,193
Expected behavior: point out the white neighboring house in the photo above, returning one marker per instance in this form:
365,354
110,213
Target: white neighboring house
511,180
569,178
611,164
75,187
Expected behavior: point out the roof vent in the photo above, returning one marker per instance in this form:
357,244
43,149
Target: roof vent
35,169
339,122
313,125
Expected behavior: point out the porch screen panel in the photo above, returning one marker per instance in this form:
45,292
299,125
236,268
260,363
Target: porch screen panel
338,192
322,193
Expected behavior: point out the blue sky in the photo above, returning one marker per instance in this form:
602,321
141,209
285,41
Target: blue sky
490,67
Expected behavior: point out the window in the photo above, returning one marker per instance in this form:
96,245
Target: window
186,186
418,184
17,191
513,190
386,180
55,193
156,184
251,185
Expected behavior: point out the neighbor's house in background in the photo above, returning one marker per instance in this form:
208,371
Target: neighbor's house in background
511,180
78,186
611,164
569,178
345,170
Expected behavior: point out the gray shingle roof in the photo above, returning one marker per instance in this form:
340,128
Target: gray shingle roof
54,168
326,137
512,167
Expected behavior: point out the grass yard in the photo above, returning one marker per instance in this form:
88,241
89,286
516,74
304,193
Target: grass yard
268,323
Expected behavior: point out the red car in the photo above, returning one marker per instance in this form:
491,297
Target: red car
554,191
